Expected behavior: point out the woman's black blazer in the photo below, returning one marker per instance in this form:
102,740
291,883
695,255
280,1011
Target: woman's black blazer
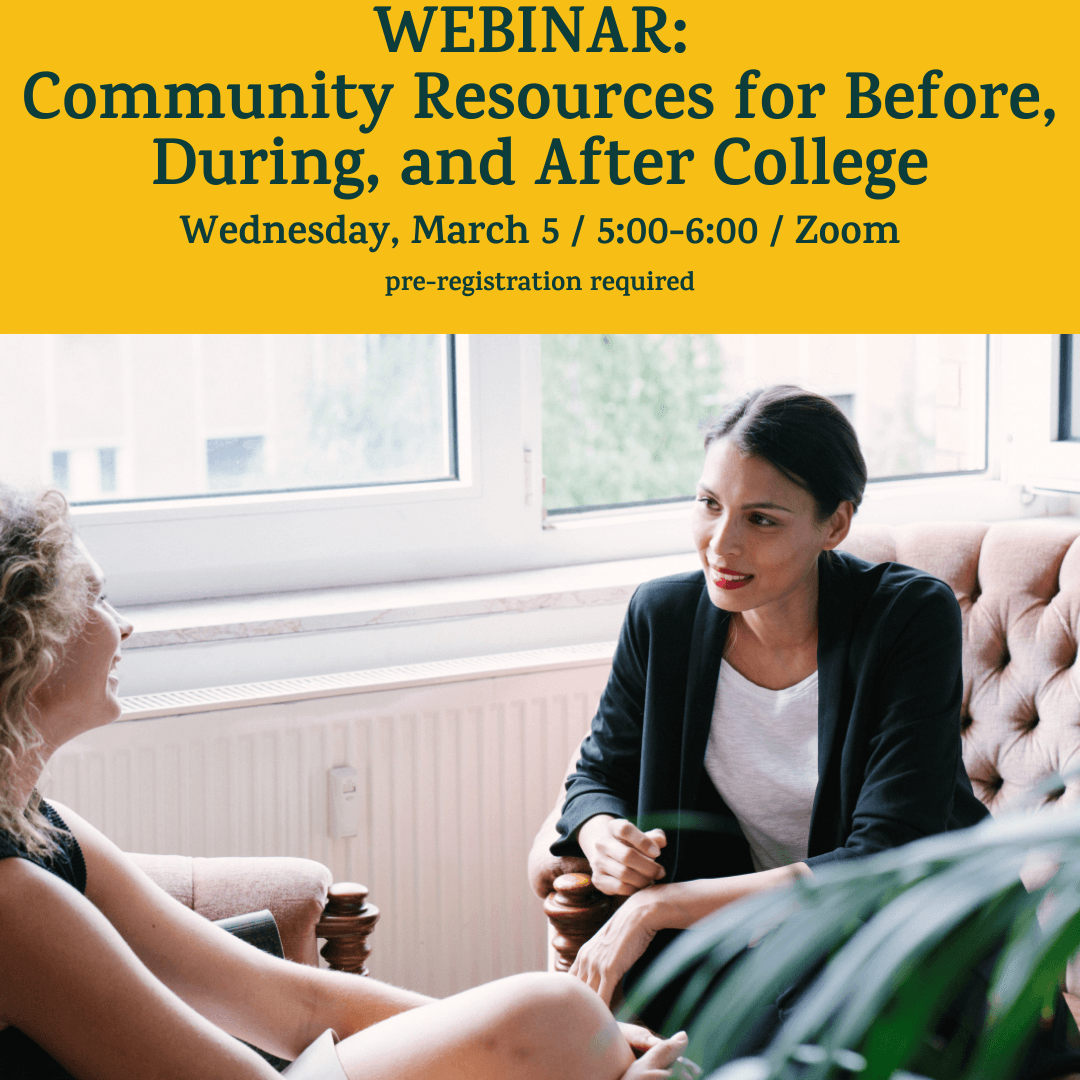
889,693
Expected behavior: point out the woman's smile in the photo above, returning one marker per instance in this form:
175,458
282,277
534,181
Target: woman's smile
729,579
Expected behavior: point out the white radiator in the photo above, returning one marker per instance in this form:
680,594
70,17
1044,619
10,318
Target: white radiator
459,763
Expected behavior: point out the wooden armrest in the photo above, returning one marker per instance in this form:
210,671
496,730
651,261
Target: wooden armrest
576,909
544,867
346,924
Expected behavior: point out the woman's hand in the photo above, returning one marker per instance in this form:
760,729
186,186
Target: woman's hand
622,857
656,1063
606,957
639,1038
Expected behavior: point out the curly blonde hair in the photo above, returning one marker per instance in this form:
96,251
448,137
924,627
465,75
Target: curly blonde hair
44,594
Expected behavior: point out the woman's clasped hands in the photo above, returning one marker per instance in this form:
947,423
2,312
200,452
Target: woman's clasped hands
623,862
622,857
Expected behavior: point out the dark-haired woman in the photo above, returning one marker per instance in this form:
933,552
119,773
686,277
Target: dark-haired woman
103,976
806,697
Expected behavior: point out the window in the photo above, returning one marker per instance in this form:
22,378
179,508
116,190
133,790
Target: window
84,474
171,416
235,464
1039,406
107,469
1068,391
61,469
470,501
623,414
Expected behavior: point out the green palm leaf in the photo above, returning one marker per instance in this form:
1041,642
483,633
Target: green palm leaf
899,934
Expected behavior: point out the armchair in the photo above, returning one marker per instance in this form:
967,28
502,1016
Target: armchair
298,892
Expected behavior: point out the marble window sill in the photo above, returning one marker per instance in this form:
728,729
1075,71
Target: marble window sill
270,615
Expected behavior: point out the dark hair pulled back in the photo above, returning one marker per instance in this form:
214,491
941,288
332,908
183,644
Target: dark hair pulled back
802,435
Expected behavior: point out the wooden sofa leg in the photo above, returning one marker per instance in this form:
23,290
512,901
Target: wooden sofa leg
346,923
576,910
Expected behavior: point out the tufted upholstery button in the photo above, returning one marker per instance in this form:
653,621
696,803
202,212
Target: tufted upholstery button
988,786
1053,795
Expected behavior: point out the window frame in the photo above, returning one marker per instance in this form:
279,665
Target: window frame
1035,455
144,545
489,520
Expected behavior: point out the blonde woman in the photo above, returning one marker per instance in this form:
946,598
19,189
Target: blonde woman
106,977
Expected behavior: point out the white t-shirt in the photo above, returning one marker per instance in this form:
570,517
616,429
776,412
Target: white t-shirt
762,757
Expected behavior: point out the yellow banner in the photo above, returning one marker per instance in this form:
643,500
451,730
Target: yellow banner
683,166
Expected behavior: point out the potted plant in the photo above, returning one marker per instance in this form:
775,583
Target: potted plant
888,943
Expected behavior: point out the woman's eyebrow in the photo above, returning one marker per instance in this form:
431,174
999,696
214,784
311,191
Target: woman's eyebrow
766,506
748,506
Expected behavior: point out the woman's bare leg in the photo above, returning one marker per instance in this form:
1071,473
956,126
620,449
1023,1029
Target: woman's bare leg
527,1027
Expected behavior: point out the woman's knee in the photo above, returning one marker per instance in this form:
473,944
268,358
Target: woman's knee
552,995
530,1026
563,1018
546,1003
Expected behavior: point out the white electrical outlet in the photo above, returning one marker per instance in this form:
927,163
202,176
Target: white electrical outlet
344,802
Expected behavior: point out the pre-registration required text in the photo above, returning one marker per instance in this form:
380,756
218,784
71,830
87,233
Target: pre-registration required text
541,281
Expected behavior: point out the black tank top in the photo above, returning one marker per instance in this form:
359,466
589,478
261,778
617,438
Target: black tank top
20,1058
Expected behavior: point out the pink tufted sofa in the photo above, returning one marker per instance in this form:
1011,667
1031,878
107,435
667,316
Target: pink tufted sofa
1018,584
